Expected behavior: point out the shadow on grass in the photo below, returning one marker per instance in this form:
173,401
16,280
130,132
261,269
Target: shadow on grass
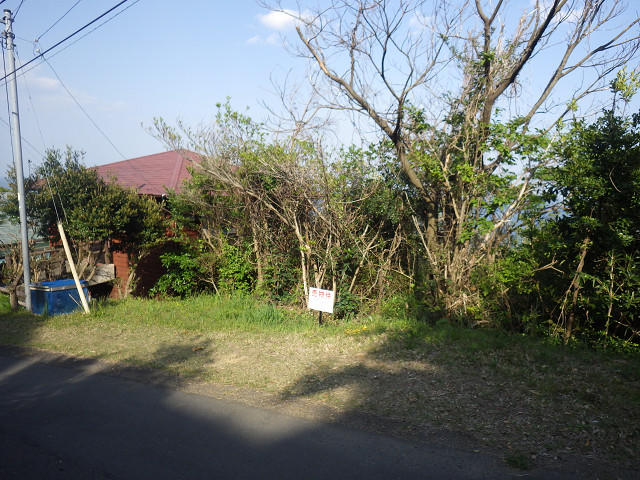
442,387
76,423
520,398
63,418
16,328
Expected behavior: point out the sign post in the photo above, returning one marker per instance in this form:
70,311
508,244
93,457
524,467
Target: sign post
321,300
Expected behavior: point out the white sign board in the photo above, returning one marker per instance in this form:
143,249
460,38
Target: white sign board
321,300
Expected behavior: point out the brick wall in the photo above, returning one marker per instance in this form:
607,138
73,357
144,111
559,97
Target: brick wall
148,270
121,264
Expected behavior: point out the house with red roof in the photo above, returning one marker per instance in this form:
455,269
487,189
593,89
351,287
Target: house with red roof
149,175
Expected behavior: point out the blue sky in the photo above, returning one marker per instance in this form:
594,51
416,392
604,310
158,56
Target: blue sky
174,60
158,58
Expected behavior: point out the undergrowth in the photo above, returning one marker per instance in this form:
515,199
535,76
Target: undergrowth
209,313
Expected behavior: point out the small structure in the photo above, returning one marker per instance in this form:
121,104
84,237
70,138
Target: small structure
150,175
55,297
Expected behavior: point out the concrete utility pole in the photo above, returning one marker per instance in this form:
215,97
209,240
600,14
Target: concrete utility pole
17,153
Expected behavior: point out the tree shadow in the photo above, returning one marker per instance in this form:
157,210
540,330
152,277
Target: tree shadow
62,417
410,388
16,328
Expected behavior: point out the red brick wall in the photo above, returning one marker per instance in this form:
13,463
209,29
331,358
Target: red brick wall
121,264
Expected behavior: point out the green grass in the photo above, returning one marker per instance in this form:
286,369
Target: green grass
5,308
403,336
515,393
202,314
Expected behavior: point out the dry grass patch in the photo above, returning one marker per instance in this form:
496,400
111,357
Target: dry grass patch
525,397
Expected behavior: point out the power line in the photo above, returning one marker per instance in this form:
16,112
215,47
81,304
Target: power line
23,139
57,21
90,31
83,110
41,55
18,9
77,39
9,113
53,200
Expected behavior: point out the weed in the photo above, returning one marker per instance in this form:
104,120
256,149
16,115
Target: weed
517,460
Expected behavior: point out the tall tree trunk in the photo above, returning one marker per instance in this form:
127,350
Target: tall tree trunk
431,211
575,286
13,298
610,308
258,253
302,247
12,287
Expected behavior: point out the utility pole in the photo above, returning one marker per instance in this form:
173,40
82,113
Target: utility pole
17,153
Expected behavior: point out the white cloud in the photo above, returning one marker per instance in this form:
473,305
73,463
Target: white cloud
272,39
572,16
419,21
45,83
279,20
52,95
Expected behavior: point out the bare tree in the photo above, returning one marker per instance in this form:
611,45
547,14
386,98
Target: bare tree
464,89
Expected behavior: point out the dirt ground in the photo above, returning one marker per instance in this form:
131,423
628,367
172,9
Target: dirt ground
534,412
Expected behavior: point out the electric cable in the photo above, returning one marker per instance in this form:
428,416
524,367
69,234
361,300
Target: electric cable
9,113
57,21
41,55
37,51
34,148
18,9
52,198
64,211
83,110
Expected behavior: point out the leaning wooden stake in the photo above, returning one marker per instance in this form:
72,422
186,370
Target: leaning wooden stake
85,305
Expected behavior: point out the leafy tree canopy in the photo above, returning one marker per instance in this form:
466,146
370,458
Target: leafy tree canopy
91,208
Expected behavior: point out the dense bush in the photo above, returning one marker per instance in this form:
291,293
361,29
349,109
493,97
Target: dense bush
575,271
274,219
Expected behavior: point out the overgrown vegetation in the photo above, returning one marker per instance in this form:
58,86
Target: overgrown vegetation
484,201
276,216
466,210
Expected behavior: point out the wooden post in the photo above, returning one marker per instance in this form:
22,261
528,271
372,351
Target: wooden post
85,305
320,318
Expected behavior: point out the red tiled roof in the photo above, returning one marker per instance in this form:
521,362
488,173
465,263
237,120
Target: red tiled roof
152,173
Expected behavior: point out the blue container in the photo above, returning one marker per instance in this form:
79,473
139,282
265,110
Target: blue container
58,296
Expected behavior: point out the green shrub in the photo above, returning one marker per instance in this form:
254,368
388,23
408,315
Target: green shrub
184,271
347,305
234,270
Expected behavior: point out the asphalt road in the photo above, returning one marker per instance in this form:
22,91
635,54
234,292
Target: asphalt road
75,423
